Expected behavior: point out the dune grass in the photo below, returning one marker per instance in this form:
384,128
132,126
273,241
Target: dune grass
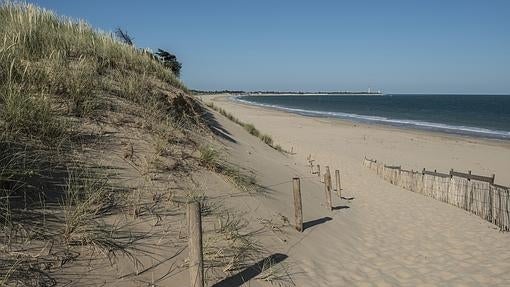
210,158
250,128
54,73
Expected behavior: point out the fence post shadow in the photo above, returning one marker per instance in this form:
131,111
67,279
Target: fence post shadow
314,222
250,272
338,207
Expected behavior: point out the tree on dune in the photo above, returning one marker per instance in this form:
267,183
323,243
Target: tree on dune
169,60
124,37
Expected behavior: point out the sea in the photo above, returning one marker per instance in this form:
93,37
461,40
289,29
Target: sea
485,116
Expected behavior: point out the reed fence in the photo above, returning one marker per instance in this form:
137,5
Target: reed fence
474,193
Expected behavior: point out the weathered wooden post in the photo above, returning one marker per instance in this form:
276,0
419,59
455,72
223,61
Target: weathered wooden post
298,206
327,188
196,262
338,185
493,178
319,170
328,176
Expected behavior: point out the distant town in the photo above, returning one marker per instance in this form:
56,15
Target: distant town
319,93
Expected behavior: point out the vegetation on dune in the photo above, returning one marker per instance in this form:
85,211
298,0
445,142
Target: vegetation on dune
250,128
170,61
210,159
58,77
55,75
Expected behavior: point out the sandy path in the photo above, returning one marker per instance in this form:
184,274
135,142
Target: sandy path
385,236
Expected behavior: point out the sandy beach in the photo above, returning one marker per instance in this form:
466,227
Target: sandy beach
378,234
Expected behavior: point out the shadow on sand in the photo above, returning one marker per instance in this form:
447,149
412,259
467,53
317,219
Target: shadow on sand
250,272
312,223
340,207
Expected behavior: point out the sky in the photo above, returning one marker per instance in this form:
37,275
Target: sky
409,46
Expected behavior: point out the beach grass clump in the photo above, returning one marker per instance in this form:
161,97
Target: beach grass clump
88,198
275,273
210,159
231,246
29,114
267,139
250,128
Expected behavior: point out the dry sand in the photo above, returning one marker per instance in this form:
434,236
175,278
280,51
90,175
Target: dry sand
381,235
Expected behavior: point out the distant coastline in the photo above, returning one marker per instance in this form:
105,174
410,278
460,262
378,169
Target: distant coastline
317,94
473,115
289,93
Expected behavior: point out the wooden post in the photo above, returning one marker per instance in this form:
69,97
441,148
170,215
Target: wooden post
319,170
469,175
327,188
328,176
298,206
493,178
338,185
196,263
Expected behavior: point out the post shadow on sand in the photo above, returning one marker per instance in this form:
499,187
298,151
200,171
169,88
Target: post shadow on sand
250,272
314,222
339,207
347,198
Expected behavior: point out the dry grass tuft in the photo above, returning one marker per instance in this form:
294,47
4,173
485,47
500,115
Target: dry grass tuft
210,159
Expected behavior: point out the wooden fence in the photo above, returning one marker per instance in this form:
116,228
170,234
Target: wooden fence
474,193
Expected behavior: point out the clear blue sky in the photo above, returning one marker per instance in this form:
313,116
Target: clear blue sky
423,46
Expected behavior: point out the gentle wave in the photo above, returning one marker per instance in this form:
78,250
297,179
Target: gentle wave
395,122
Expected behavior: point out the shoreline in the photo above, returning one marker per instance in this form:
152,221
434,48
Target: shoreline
382,142
416,125
389,127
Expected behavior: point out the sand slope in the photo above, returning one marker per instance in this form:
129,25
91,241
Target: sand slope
384,235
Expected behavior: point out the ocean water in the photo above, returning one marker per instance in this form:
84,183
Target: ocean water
476,115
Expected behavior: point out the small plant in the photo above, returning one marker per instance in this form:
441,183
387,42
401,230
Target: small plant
267,139
231,247
252,129
209,158
275,273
